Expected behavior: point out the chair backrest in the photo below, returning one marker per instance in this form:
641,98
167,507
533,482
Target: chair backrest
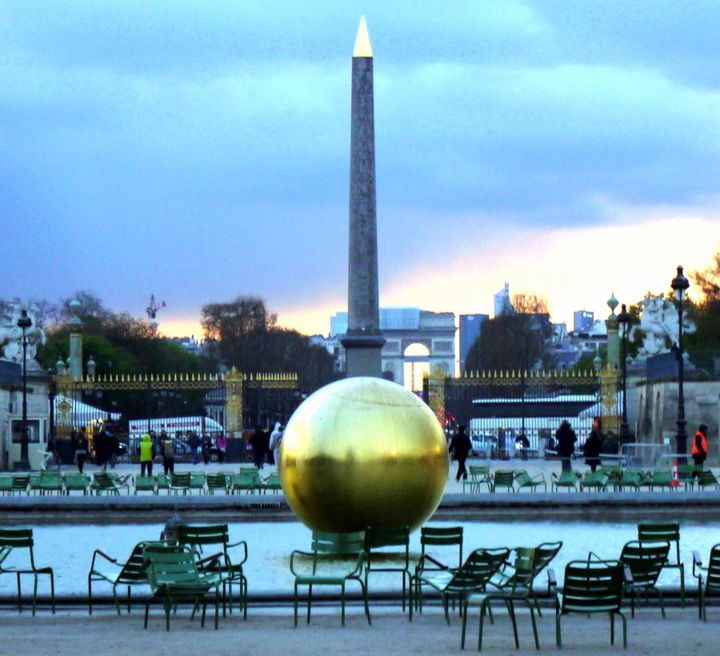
477,570
504,478
592,586
706,477
103,479
377,537
202,535
338,543
713,569
442,536
661,531
479,471
197,479
567,478
645,560
216,481
135,568
544,554
661,476
16,538
20,481
170,567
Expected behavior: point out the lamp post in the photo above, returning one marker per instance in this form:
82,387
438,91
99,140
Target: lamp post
24,322
624,320
679,285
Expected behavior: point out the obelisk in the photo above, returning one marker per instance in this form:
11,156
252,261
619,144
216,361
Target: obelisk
363,340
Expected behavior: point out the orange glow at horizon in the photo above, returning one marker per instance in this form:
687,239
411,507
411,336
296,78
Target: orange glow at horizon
574,269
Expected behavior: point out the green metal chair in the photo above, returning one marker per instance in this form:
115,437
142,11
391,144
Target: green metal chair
229,567
379,544
6,484
706,479
174,576
591,586
669,532
335,559
478,475
162,482
17,540
645,561
629,478
104,483
217,482
458,583
270,484
46,482
145,484
661,479
708,578
20,483
567,480
503,478
197,482
524,480
515,584
180,482
594,481
247,480
108,569
76,482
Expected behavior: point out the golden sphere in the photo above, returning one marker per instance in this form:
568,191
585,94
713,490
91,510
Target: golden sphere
363,452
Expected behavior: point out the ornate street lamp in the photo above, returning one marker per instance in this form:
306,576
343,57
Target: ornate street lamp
679,286
24,322
623,320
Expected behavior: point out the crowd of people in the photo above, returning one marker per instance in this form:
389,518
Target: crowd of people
103,447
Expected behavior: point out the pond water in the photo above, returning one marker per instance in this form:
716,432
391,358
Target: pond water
69,548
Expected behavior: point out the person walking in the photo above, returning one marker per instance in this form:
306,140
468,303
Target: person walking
565,438
460,446
700,448
206,448
167,446
81,448
274,444
221,445
258,446
100,446
593,445
146,450
194,443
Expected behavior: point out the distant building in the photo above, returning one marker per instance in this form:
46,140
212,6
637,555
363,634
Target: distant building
503,305
470,325
583,321
189,344
418,342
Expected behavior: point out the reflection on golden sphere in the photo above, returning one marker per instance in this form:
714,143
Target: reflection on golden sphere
363,452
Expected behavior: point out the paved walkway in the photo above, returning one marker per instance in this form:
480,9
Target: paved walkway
270,632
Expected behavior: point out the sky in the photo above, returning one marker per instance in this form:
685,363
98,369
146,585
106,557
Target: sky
199,150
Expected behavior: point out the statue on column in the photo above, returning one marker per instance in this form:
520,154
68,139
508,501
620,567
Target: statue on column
659,326
11,334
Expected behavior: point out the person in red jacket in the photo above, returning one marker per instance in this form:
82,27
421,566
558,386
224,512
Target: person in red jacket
700,447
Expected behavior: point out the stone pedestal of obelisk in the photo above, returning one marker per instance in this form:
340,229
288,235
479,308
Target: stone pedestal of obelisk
363,341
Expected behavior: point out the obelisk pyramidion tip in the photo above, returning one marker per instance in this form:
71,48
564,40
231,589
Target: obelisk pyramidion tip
362,41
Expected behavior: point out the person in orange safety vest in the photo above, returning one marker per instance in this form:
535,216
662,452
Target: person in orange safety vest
700,446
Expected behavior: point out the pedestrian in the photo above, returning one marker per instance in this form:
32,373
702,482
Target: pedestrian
258,445
221,445
460,446
274,444
565,440
146,451
522,444
593,445
167,448
699,448
206,448
194,443
81,448
54,457
113,447
100,445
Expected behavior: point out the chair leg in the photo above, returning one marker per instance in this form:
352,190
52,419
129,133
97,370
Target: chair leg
464,623
52,591
445,607
342,604
624,625
19,589
295,605
612,628
682,584
534,625
365,600
147,610
558,634
309,602
89,595
511,613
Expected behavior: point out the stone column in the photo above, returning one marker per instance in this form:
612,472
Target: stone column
363,341
75,359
